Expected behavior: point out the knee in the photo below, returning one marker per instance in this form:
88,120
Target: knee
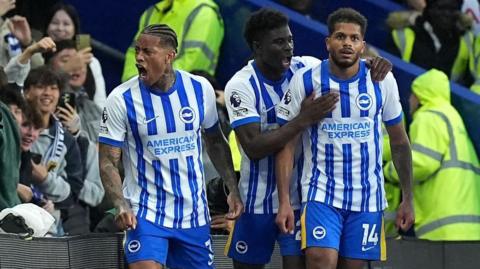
319,258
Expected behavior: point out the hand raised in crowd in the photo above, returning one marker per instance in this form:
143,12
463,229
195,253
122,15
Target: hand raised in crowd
45,44
6,6
19,27
235,205
314,109
379,67
39,172
78,60
69,118
125,219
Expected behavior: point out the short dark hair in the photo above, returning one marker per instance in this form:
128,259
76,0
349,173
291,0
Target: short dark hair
346,15
71,12
60,45
43,76
167,35
262,21
9,96
32,115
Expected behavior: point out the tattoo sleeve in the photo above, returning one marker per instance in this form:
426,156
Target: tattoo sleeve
109,158
219,152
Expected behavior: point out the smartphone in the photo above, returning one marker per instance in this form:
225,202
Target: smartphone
67,98
82,41
36,158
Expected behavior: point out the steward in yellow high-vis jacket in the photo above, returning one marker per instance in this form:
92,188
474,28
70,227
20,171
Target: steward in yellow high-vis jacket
446,169
199,28
439,38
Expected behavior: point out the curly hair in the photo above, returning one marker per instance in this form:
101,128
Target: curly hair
262,21
346,15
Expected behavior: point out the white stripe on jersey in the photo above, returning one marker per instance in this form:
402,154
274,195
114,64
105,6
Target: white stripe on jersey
160,136
343,153
252,98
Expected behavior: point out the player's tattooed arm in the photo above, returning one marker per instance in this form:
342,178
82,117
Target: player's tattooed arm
109,160
402,160
219,152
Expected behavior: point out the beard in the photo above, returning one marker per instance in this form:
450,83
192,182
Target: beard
344,63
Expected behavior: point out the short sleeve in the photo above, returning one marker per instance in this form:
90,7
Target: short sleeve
392,109
291,102
113,123
210,102
241,103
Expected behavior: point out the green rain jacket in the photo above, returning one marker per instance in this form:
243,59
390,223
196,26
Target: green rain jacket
199,28
445,166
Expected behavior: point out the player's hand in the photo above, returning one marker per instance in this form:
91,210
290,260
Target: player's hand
379,67
315,109
220,222
405,215
125,219
235,206
285,219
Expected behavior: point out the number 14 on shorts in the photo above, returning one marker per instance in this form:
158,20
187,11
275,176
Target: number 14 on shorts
370,236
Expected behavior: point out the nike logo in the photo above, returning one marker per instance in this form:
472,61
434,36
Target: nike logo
145,121
366,249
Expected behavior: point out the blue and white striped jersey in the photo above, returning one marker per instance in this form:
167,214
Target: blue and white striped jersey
160,137
343,152
251,98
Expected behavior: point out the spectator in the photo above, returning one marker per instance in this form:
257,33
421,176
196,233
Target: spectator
89,113
199,27
64,24
30,130
445,165
440,39
9,158
18,67
59,175
15,36
35,11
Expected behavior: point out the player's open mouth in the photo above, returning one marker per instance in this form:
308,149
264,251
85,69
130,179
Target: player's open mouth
142,72
286,61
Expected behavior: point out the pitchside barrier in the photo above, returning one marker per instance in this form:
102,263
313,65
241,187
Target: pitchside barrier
104,251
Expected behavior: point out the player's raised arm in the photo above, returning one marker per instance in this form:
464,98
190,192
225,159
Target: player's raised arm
283,170
219,152
109,160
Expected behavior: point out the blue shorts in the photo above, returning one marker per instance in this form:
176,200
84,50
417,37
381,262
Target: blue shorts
253,237
355,235
175,248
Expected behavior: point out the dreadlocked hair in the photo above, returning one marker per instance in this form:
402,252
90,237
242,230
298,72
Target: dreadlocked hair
166,34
